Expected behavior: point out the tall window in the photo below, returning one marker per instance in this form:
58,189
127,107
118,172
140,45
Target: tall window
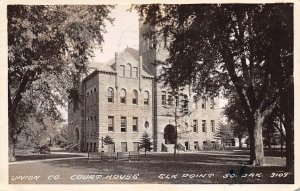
203,125
195,125
135,97
129,70
110,95
185,102
135,72
146,98
123,96
134,124
212,125
177,101
212,103
163,98
123,124
170,99
203,105
195,106
110,124
122,70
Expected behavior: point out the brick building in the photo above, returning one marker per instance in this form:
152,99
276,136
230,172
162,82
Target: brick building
123,99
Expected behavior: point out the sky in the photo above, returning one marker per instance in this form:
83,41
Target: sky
124,32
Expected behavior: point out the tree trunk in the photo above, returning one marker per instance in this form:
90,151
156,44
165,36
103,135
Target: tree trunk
289,145
240,142
258,139
11,141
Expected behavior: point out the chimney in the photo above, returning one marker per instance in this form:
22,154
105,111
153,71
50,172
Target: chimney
117,70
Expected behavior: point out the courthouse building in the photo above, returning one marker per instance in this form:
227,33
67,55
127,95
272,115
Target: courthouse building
123,99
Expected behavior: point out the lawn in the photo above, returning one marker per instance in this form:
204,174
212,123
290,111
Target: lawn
160,168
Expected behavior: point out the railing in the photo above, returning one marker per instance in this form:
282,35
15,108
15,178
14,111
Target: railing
181,147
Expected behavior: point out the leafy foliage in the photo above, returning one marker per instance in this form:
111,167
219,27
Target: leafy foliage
245,49
108,140
146,143
48,50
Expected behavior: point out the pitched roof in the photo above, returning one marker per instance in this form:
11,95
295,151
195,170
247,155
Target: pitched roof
110,65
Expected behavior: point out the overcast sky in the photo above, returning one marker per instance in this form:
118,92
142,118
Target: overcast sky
124,32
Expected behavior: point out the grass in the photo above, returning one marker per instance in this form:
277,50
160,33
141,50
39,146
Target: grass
184,168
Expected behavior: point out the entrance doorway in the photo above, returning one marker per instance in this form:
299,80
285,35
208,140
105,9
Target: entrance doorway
170,134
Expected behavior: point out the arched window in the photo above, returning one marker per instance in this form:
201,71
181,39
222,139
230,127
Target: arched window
146,98
110,95
122,70
135,97
129,70
146,124
123,96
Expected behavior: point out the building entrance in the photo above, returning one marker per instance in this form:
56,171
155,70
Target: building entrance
170,134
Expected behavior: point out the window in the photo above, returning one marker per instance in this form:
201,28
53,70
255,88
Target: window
135,97
212,103
146,98
163,98
135,72
123,124
195,106
176,101
136,146
170,100
146,124
186,125
195,125
110,95
134,124
122,70
212,125
123,96
185,102
203,103
110,124
124,146
129,70
203,125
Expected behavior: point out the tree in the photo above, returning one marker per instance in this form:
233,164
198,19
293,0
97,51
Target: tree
224,133
61,137
146,143
48,50
108,140
245,48
237,118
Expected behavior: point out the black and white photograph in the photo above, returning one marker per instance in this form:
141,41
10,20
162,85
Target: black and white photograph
159,93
